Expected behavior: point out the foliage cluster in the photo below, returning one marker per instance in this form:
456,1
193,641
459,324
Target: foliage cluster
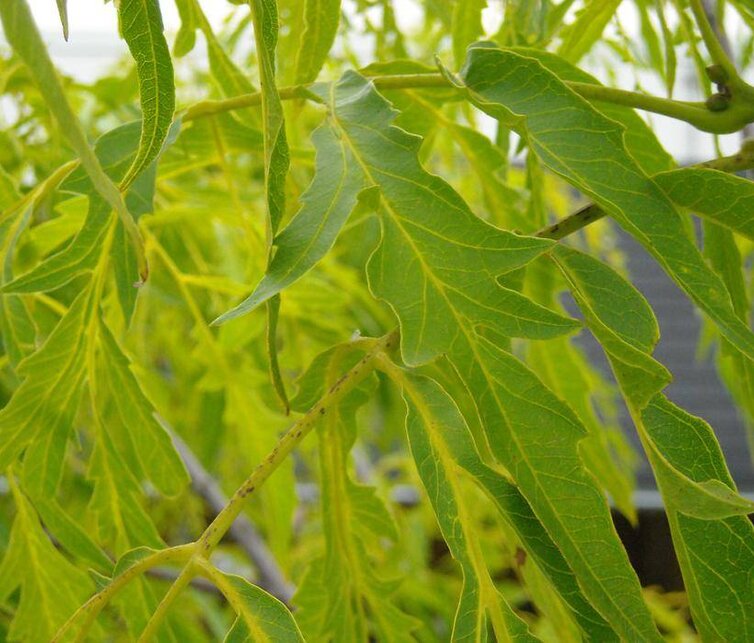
323,219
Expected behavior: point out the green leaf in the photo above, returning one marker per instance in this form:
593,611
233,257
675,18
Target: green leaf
51,587
640,141
265,18
342,596
141,27
568,134
141,441
465,25
437,264
70,533
261,617
716,556
725,199
63,11
459,448
24,37
432,414
119,518
620,318
185,39
536,437
41,412
321,19
81,255
703,506
326,204
580,36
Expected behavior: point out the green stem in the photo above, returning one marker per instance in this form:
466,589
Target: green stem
291,438
695,113
743,160
713,44
202,548
97,602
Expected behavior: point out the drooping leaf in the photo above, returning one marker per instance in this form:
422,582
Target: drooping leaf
51,586
703,506
716,556
568,133
326,205
63,11
41,412
140,439
321,19
480,605
141,27
356,524
24,37
465,25
535,436
581,35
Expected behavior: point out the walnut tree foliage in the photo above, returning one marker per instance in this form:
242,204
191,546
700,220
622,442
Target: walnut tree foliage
291,316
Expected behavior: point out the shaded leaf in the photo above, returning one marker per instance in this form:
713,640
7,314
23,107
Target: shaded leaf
321,19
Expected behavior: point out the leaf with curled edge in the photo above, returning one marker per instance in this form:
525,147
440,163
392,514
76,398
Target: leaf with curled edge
141,27
587,149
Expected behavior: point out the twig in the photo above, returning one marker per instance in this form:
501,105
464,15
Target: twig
271,577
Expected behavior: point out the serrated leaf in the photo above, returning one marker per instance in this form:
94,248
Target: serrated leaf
51,587
430,413
432,247
41,412
725,199
321,19
568,134
535,436
79,256
620,318
141,27
703,506
140,439
358,601
514,509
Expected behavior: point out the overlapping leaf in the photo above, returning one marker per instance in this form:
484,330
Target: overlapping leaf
725,199
439,427
568,134
703,506
41,412
536,436
431,414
